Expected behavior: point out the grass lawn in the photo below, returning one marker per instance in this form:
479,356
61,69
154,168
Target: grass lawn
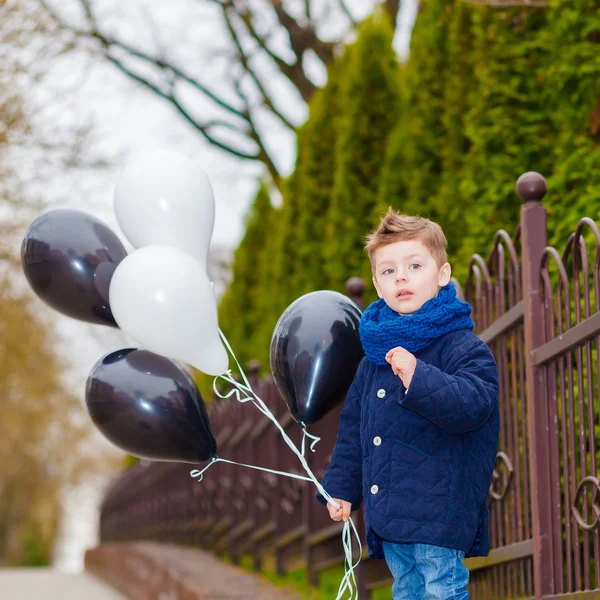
296,581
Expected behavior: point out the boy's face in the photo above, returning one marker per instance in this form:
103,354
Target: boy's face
406,275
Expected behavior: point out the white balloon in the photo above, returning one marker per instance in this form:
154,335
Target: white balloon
162,297
165,198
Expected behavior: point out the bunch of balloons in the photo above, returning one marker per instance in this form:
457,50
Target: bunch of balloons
142,399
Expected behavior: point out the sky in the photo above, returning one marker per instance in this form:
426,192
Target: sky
126,120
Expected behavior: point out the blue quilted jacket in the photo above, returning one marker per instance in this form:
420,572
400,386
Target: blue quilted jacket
421,459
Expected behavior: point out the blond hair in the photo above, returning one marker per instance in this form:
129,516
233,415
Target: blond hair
396,227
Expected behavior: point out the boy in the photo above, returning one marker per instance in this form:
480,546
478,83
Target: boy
418,434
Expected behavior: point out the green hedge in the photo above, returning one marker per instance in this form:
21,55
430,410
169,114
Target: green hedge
487,94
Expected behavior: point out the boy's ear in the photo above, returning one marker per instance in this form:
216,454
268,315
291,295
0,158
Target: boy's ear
444,275
376,287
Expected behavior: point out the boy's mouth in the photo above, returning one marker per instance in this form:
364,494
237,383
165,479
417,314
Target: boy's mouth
403,294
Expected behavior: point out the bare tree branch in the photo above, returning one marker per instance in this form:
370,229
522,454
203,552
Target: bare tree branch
33,149
88,11
168,68
347,12
172,72
202,128
108,43
245,62
302,38
392,7
249,41
295,72
308,10
507,3
263,154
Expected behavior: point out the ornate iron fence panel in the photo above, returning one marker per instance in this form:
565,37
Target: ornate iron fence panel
539,312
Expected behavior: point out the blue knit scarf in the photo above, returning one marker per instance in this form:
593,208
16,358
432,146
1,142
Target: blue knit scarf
382,328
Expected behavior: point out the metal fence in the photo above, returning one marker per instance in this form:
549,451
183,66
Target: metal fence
539,312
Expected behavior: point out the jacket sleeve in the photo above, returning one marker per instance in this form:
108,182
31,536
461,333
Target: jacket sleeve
460,400
343,477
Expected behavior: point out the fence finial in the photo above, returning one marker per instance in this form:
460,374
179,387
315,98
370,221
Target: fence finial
531,187
355,288
253,367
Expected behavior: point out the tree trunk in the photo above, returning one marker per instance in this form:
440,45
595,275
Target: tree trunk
392,7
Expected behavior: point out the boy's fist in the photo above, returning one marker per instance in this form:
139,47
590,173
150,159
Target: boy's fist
403,364
337,514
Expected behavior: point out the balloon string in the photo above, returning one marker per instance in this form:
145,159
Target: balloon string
348,583
195,473
305,434
247,389
349,568
249,395
264,409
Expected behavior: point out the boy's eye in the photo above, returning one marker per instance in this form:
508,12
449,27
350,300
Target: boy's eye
416,266
388,271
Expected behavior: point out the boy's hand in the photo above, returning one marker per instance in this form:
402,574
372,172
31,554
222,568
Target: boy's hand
403,364
337,514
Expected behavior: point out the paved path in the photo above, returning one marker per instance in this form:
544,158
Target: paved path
47,584
151,571
210,578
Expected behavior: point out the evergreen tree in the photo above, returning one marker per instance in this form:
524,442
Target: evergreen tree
318,162
238,309
459,86
370,92
284,254
472,122
571,91
486,95
508,126
291,263
416,158
267,304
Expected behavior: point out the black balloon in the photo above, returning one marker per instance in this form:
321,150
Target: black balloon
69,258
150,407
315,351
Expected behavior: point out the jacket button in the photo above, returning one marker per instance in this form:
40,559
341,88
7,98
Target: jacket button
374,489
380,393
377,441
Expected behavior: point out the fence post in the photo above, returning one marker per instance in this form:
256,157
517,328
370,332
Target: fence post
531,188
355,289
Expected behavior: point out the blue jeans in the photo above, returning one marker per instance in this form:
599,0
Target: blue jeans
426,572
